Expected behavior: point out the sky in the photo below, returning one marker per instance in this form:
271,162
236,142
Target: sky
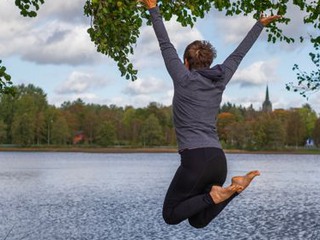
54,52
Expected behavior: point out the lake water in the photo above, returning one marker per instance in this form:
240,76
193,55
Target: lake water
46,196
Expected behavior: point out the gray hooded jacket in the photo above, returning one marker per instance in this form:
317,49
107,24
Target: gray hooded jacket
198,94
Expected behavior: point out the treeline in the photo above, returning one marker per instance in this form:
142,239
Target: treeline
26,119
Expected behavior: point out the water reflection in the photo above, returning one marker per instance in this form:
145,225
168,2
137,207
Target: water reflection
119,196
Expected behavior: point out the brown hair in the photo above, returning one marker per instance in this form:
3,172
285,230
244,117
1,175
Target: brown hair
200,54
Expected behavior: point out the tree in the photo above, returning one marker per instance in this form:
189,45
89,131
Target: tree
316,133
60,133
308,83
28,126
5,81
7,110
151,134
3,131
28,8
23,129
107,134
309,117
225,120
116,25
296,130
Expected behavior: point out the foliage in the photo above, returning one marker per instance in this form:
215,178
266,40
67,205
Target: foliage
316,133
308,83
115,24
151,131
116,27
5,81
3,129
29,8
27,119
107,134
114,30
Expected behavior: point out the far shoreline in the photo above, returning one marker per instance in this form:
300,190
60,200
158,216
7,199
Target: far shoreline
84,149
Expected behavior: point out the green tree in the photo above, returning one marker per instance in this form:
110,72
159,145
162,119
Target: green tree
132,125
74,113
275,134
224,122
7,110
308,82
316,133
151,134
57,129
91,122
238,135
116,25
5,81
3,132
309,117
23,129
107,134
28,122
296,129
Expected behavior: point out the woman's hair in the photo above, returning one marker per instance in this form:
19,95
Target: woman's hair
200,54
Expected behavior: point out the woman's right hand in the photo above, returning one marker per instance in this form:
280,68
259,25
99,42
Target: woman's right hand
149,3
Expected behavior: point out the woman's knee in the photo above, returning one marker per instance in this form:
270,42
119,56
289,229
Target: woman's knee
169,218
197,224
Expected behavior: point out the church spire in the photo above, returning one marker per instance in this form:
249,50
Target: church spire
267,106
267,94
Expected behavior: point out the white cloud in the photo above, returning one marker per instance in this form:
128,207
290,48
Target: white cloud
147,52
58,43
258,73
68,11
143,91
233,29
80,83
256,99
48,38
145,86
57,100
136,101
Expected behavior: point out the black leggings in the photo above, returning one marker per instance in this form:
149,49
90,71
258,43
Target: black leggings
188,194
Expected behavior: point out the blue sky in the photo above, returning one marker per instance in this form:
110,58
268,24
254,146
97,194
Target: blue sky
54,52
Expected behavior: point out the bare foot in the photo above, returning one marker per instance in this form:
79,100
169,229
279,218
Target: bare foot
220,194
244,181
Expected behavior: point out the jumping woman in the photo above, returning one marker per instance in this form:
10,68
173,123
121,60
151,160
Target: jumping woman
196,192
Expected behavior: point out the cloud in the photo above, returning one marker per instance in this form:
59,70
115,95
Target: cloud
89,98
258,73
136,101
67,11
233,29
145,86
147,51
49,38
80,83
58,43
143,91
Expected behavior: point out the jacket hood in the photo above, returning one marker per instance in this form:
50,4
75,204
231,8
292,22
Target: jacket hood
216,73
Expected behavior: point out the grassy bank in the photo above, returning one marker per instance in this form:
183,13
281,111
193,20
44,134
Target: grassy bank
166,149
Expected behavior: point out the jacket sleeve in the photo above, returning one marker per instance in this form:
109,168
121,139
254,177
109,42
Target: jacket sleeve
173,63
232,62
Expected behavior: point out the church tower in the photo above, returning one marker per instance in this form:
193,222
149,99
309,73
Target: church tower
267,106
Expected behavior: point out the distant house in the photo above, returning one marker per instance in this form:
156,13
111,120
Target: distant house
309,143
78,137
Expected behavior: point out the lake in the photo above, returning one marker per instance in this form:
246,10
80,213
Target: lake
80,196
